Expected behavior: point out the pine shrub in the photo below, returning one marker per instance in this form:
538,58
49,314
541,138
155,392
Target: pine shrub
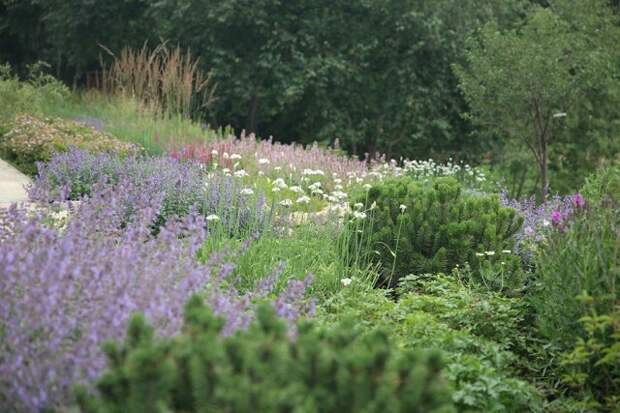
430,228
262,370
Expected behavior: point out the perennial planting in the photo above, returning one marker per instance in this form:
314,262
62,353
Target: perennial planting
432,252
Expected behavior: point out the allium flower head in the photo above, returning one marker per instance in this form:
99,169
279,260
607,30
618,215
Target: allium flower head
578,201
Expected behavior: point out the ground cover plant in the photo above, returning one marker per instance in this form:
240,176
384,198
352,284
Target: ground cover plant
29,140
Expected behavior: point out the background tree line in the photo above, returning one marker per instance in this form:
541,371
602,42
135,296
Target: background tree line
378,75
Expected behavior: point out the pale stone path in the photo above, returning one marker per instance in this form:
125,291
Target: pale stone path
12,184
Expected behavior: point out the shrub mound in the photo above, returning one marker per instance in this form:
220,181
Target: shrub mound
31,139
429,228
262,370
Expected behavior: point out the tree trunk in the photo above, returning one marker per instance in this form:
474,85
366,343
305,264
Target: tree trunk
251,121
544,176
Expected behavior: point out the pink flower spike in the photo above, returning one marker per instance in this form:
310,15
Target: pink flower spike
578,201
556,218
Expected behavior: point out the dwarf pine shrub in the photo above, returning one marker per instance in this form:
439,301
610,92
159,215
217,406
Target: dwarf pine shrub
429,228
261,370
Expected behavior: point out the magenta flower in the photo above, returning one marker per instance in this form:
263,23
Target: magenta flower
556,218
578,201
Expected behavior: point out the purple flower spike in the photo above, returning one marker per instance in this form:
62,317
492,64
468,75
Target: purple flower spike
578,201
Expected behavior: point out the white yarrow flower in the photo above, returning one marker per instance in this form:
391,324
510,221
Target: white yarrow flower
359,215
263,161
303,200
213,217
247,191
346,281
403,207
286,202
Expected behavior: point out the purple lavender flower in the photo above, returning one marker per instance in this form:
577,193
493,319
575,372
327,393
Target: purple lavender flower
180,185
537,218
63,292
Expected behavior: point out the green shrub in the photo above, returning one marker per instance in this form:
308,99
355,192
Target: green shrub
323,370
31,139
585,257
593,365
37,93
417,228
480,335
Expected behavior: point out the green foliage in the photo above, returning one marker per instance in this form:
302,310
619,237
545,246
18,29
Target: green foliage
30,140
306,249
549,82
417,228
585,258
262,370
482,336
299,70
32,96
593,365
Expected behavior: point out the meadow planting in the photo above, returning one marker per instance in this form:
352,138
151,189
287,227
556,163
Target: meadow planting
434,228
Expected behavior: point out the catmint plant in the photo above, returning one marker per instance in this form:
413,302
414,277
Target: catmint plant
65,291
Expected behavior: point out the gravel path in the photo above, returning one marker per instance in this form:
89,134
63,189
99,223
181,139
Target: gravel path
12,184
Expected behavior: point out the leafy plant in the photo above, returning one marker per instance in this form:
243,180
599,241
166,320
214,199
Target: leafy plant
417,228
523,83
584,256
335,369
593,365
39,91
30,140
481,336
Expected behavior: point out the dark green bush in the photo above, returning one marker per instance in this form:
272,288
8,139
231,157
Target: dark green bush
430,228
262,370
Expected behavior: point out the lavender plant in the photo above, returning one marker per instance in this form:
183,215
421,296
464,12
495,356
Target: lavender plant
63,292
183,187
555,212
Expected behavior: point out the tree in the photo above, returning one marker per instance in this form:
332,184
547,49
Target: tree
528,84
